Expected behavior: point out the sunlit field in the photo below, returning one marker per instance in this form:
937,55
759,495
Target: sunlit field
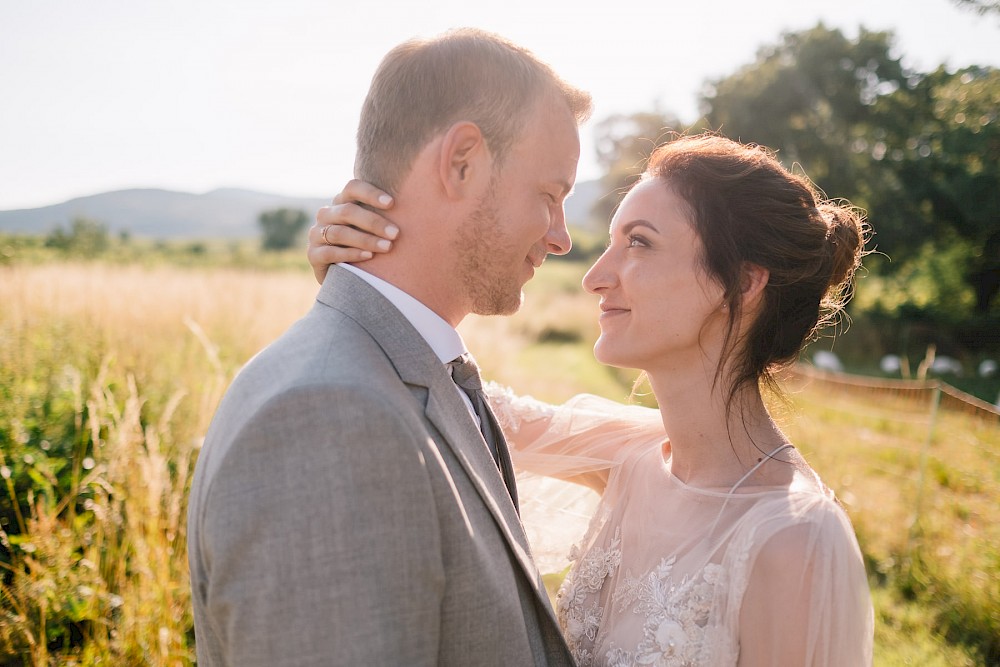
109,376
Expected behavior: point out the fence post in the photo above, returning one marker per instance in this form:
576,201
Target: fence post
922,474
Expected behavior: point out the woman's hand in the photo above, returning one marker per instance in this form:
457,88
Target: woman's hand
349,232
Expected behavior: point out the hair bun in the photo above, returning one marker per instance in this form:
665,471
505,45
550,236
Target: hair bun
845,238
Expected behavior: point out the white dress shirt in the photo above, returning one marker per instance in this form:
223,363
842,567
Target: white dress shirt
443,339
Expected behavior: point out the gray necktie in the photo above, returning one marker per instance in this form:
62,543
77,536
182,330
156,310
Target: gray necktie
466,375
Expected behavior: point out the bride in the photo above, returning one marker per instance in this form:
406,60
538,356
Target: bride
719,545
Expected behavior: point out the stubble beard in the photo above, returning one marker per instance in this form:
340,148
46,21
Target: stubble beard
492,288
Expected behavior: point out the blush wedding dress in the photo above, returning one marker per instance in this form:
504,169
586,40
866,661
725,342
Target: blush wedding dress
673,575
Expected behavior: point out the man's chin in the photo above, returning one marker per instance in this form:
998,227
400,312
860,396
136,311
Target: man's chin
500,305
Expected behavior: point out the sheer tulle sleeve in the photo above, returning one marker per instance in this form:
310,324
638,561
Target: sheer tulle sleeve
807,600
579,441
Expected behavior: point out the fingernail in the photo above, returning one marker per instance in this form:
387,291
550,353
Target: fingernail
392,231
385,200
383,244
366,254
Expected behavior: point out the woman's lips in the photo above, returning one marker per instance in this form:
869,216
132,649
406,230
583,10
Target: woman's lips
610,311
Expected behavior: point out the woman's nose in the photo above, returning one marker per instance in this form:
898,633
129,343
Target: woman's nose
598,277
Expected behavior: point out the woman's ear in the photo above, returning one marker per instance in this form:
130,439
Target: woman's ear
463,160
753,282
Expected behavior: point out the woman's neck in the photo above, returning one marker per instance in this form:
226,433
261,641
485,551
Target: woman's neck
712,444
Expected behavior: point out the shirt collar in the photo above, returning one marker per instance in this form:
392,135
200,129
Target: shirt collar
444,340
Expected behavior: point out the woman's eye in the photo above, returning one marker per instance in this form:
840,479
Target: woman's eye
636,241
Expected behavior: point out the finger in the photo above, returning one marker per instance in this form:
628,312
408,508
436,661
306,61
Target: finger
348,237
315,235
366,193
358,217
321,257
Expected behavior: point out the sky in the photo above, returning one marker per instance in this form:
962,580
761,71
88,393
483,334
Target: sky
194,95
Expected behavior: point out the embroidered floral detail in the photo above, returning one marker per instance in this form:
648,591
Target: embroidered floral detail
669,635
584,658
619,658
675,613
511,409
580,620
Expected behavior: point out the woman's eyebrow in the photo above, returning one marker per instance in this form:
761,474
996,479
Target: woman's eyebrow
627,227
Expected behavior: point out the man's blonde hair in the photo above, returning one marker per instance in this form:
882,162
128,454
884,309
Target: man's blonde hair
424,86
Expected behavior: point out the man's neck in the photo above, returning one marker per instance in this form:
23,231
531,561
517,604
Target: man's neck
443,338
423,283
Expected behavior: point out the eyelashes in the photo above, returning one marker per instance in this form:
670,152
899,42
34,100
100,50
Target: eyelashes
637,241
634,241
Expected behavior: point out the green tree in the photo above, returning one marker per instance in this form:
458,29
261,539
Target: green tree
810,97
982,7
281,227
624,142
85,237
937,149
920,151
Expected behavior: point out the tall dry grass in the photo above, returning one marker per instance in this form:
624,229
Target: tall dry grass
109,377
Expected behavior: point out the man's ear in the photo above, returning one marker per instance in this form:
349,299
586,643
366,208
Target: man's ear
753,282
464,160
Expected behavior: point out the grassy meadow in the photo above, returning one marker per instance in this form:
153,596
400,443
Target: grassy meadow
110,374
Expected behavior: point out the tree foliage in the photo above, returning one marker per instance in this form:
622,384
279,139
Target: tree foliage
940,170
85,237
624,143
281,227
981,7
919,150
810,97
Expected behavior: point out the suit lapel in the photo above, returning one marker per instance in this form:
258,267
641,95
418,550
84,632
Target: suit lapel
417,365
450,416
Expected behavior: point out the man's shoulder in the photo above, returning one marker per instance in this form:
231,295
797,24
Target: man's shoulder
325,347
315,377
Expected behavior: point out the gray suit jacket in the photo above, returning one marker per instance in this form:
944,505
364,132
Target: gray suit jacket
346,511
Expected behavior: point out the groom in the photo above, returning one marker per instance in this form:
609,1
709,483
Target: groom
350,506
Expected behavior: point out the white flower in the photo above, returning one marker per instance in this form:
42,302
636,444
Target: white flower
670,637
712,573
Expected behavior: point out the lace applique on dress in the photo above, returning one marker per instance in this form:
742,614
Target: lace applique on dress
676,615
580,621
511,409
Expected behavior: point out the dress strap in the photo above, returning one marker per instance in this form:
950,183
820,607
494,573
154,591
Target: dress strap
779,448
744,478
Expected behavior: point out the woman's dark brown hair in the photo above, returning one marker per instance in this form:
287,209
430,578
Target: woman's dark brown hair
748,209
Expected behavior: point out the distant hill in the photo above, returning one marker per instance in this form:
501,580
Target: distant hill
161,214
224,213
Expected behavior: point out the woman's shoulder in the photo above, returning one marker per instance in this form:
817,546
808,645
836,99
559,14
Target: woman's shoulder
806,517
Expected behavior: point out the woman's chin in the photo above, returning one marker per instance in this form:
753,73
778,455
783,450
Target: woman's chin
605,354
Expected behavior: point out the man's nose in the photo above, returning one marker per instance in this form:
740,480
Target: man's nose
557,240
